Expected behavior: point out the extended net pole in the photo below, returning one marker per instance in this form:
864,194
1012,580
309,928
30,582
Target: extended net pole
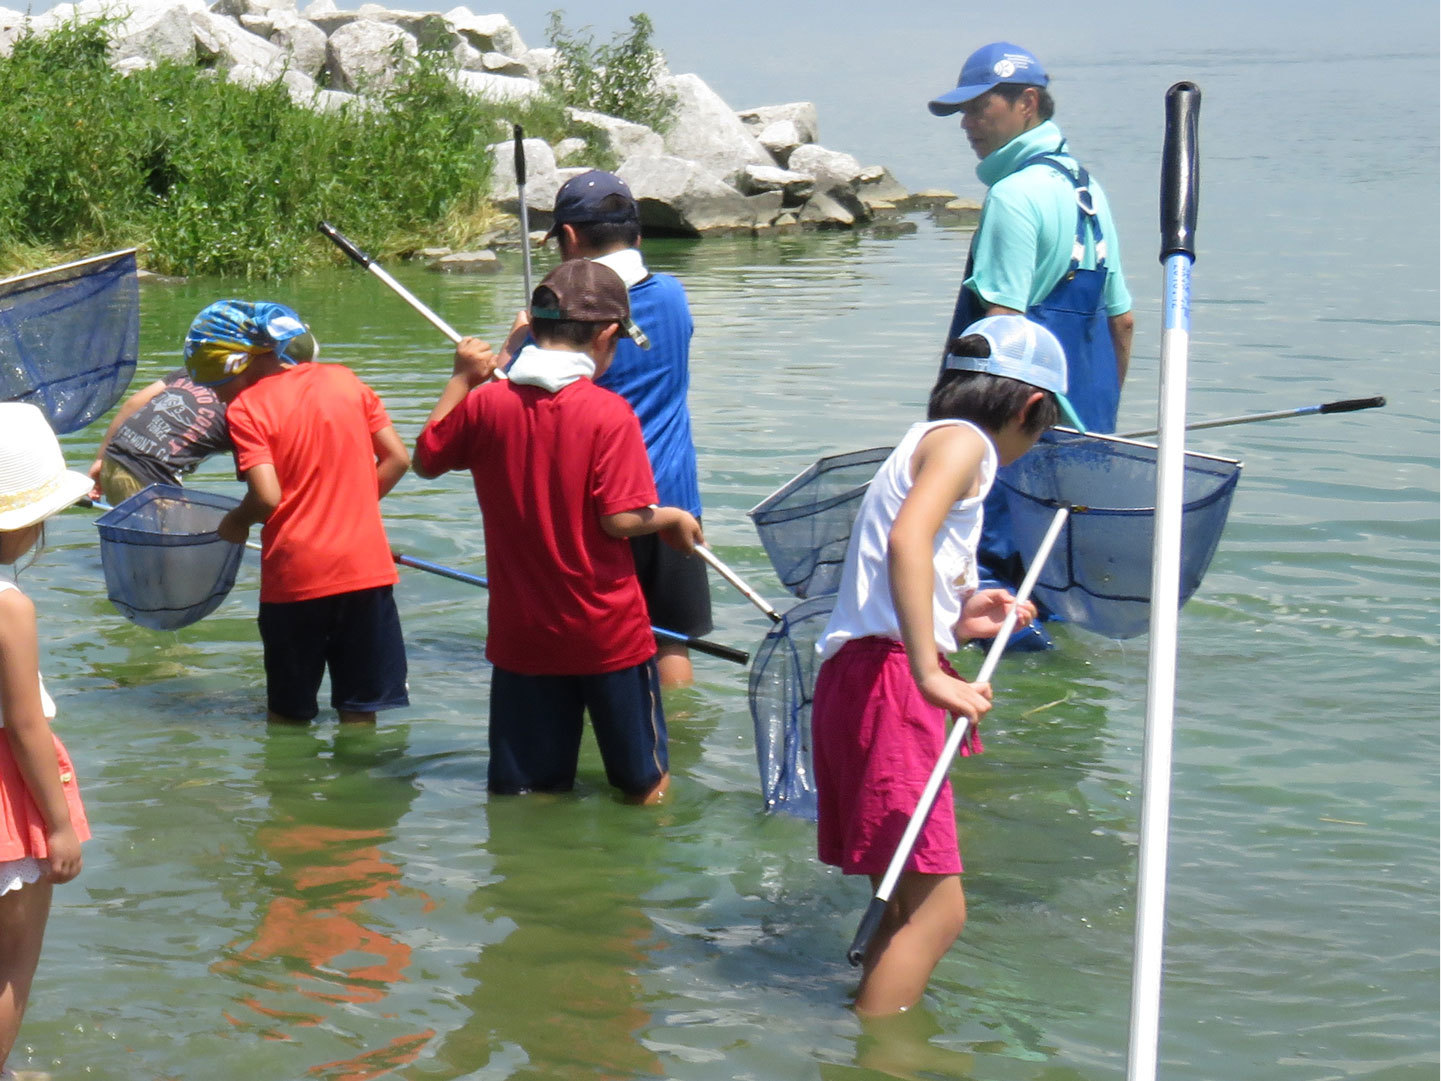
1178,227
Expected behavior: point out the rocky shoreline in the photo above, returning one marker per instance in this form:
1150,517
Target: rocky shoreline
714,170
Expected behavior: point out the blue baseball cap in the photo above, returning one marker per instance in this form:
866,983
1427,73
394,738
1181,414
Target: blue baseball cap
596,196
988,67
1023,350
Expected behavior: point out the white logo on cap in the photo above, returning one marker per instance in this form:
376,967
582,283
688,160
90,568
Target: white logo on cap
1004,69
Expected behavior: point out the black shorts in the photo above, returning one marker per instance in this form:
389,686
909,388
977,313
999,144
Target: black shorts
356,635
676,589
536,724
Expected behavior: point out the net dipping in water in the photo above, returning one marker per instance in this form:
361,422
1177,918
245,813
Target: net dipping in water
1099,574
70,337
805,525
782,684
165,566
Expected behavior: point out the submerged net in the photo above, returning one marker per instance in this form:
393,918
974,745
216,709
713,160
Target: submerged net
165,566
782,682
70,337
1099,574
805,526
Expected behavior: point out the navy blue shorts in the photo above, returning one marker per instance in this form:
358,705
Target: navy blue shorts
356,635
536,724
677,591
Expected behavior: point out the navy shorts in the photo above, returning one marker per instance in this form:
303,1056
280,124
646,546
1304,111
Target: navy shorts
356,635
536,724
677,591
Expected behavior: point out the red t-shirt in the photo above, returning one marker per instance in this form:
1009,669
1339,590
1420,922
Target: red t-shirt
564,598
314,423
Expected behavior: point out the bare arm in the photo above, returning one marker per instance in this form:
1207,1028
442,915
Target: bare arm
474,364
677,527
262,496
127,410
1123,329
29,732
946,466
392,460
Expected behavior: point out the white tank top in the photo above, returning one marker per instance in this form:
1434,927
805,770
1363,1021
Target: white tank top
47,704
863,603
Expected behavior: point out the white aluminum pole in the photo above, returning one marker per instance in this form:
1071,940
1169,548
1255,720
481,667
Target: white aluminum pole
1178,222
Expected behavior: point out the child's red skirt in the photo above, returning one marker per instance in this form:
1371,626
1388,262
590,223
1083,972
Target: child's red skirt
22,826
874,742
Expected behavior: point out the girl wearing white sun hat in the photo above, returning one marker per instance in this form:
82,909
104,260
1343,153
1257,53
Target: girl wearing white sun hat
42,821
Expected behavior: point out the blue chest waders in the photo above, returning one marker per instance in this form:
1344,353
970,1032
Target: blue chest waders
1074,311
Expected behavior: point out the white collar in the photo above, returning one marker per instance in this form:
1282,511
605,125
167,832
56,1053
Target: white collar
627,263
550,369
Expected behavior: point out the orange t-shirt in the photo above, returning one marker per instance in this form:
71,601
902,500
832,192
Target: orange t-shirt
314,424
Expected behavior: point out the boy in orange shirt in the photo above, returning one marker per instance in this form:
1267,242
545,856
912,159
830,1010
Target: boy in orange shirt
317,452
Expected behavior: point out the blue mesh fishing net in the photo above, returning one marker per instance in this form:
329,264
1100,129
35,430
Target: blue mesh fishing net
805,526
165,567
782,682
70,337
1099,574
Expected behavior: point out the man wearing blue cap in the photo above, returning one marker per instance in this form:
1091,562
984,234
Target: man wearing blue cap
1046,246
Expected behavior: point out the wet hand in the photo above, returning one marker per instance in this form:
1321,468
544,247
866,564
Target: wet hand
985,611
64,857
232,529
474,361
956,696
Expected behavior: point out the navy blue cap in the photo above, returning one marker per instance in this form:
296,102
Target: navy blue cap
988,67
583,199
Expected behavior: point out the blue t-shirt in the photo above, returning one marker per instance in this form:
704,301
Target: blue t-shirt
656,381
1023,244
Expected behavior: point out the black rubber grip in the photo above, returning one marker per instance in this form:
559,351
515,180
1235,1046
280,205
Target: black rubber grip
1350,405
344,244
1180,171
519,156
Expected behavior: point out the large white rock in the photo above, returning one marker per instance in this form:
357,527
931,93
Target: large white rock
621,137
501,64
222,41
707,132
800,113
157,33
488,33
877,185
500,88
300,40
795,187
542,179
360,55
831,168
780,139
679,196
540,61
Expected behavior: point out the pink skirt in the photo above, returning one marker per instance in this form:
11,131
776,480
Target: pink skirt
874,742
22,826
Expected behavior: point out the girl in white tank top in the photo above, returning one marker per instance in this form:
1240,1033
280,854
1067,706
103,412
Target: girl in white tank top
908,592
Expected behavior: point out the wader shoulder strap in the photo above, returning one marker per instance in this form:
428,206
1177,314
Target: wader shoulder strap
1086,217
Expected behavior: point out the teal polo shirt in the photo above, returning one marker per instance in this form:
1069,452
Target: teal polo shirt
1022,247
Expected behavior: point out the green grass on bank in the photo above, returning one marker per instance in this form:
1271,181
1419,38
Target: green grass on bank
209,177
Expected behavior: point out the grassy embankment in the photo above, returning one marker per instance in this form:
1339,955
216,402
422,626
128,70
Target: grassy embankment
208,177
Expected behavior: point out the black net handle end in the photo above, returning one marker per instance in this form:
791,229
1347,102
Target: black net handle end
1180,172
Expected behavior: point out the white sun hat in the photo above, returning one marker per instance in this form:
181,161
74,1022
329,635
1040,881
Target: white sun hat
34,483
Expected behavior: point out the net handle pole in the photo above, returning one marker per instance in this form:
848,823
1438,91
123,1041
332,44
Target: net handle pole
519,134
344,243
735,580
700,645
871,921
1179,198
1345,405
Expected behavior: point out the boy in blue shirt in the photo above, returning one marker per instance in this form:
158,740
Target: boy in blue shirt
597,218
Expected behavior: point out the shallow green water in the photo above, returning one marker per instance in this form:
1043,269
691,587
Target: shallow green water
343,905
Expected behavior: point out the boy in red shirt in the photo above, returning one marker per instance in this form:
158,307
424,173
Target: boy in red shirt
563,482
317,452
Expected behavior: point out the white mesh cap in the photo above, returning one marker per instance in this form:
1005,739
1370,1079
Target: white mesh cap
1020,349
